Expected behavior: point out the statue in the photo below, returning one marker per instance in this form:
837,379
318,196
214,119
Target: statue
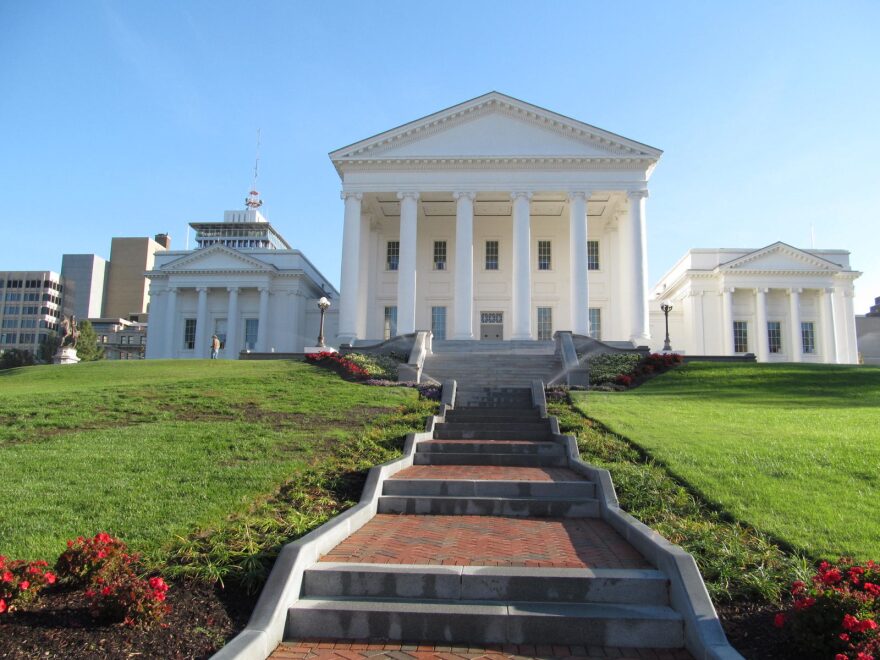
68,332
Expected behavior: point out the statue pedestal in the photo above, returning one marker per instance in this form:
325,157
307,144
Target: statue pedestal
65,355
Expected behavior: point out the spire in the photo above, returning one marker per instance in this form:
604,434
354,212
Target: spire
253,201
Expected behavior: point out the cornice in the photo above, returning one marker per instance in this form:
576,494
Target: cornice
494,163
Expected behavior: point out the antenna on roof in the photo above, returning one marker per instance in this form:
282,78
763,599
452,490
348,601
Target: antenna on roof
812,237
253,200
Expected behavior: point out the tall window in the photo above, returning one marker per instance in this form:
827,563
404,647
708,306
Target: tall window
11,309
10,323
390,325
491,255
596,323
251,330
438,322
392,255
219,330
774,336
740,337
439,255
189,334
8,337
545,323
592,255
808,337
544,255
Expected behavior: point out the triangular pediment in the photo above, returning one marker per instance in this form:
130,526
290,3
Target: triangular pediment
217,257
780,256
495,125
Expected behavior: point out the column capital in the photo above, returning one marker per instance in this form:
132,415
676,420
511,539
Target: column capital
728,289
345,195
694,294
762,289
579,194
232,289
202,289
408,194
263,289
520,193
464,194
794,290
636,194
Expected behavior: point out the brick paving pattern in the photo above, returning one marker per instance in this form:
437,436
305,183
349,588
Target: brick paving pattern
488,541
324,650
489,472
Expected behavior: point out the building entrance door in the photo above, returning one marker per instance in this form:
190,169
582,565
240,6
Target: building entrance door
492,326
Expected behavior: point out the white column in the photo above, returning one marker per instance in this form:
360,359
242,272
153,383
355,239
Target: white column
840,326
406,273
577,242
233,343
364,286
727,320
349,293
168,345
850,319
263,322
522,266
763,349
829,338
794,315
202,335
640,331
698,342
464,265
155,339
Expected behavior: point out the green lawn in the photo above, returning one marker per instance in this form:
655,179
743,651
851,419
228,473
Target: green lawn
152,450
793,450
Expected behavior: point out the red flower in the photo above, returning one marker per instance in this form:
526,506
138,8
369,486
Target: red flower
872,589
841,656
779,620
844,637
23,585
2,561
3,606
831,577
804,603
797,587
7,576
50,577
106,591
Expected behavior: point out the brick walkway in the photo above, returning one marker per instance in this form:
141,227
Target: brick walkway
349,649
488,541
489,472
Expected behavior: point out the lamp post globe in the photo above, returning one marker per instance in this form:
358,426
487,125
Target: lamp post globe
323,305
666,308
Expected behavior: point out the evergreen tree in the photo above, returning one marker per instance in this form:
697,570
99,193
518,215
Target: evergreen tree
87,348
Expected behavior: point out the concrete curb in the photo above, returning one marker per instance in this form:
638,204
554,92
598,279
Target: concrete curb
265,629
704,636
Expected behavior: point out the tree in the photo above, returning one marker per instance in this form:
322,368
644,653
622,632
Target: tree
87,348
48,347
16,358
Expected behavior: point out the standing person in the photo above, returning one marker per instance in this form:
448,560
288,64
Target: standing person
215,346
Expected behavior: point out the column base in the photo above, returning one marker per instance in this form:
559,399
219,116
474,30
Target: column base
462,337
521,337
640,340
308,350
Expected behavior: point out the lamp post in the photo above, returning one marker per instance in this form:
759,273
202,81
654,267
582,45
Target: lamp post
323,304
666,309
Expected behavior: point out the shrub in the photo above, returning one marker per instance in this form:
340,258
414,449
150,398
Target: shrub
21,582
606,367
340,363
377,366
15,357
835,614
115,590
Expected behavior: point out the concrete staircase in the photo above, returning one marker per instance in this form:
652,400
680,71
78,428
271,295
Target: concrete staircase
500,462
492,364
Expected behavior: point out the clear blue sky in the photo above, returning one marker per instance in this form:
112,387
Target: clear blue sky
134,118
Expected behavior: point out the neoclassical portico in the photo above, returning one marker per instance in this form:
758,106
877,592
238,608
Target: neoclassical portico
498,218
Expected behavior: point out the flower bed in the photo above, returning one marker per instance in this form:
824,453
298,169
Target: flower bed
620,371
103,568
340,363
835,614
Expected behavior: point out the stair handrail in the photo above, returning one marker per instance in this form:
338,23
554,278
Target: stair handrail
412,370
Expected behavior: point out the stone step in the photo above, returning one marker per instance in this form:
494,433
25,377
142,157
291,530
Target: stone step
463,414
469,446
493,488
465,458
486,583
486,622
498,424
441,433
528,507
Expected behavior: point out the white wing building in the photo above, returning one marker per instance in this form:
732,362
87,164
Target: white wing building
494,219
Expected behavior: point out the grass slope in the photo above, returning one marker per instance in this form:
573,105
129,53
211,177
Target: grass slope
791,449
158,449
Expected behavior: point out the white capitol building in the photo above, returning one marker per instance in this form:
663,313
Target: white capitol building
497,219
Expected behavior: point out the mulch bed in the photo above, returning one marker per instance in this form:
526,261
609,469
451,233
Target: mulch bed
749,629
203,618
